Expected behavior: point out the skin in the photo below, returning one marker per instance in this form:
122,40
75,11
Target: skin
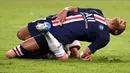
23,34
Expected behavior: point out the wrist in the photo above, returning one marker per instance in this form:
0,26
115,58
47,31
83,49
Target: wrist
87,50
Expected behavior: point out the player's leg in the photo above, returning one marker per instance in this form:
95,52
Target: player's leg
11,54
29,44
54,45
18,52
29,30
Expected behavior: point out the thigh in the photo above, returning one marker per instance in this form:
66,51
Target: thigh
30,44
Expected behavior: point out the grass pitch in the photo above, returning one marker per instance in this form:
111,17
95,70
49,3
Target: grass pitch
14,14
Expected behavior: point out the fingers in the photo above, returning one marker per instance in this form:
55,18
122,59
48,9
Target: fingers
60,17
85,56
88,58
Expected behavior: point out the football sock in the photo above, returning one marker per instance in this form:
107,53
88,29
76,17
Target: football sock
19,50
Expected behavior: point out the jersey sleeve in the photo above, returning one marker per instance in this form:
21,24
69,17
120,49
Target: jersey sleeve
100,42
91,10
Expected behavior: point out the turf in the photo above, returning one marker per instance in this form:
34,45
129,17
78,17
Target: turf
14,14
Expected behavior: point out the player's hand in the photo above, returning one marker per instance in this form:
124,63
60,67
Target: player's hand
60,17
85,55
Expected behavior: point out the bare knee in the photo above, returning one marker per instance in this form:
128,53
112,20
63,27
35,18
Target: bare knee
19,35
11,54
23,34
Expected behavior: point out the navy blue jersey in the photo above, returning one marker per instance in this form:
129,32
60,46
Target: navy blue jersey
85,25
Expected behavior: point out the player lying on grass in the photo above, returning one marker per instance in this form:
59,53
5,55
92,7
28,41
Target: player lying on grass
70,49
30,31
84,24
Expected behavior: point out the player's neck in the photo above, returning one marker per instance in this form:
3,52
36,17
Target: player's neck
109,22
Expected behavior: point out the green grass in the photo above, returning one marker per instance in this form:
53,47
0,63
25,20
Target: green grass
14,14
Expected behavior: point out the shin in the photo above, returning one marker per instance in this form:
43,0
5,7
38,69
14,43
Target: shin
55,46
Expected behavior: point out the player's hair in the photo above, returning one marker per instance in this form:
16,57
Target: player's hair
118,28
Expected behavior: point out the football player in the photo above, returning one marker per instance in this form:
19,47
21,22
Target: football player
84,24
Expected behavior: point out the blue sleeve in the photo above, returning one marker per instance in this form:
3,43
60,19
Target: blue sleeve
98,11
100,42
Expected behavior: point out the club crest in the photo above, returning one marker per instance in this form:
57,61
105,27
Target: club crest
101,27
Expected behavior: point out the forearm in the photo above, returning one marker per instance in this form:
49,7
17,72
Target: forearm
60,17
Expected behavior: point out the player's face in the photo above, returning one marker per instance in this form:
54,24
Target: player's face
119,21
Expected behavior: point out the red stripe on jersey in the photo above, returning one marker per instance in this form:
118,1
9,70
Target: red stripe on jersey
99,18
67,19
18,51
54,22
73,18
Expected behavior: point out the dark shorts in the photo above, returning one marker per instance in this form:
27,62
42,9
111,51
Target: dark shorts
39,54
32,28
40,39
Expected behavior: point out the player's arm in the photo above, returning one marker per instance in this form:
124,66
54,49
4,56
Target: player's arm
100,42
63,13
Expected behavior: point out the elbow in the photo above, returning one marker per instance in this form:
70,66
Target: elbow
104,42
